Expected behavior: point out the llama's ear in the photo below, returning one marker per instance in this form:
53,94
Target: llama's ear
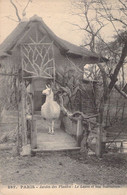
50,90
46,87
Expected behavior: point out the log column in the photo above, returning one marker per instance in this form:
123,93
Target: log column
99,142
34,135
79,132
23,114
26,149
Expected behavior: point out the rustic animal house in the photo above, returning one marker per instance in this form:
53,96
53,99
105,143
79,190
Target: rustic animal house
40,57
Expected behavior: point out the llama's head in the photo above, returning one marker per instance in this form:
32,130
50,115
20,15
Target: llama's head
47,91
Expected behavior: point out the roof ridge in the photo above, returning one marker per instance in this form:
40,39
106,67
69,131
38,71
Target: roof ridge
65,47
36,18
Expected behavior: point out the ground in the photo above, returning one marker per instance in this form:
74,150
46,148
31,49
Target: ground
63,168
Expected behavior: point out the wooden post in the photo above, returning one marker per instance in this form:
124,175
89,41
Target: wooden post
99,129
84,148
123,111
79,132
24,123
34,135
98,142
26,149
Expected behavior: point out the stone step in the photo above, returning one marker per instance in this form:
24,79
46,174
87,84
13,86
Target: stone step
56,145
56,149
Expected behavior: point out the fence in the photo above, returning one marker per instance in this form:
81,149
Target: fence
115,109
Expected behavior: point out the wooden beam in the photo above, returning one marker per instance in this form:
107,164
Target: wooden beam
8,74
98,149
120,91
23,114
34,135
57,150
79,132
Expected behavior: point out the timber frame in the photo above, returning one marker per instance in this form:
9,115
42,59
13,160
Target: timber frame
37,62
31,48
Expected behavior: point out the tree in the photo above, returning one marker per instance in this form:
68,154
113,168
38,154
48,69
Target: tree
105,14
15,5
9,82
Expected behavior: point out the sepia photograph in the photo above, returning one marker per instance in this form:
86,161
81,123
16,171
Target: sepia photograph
63,96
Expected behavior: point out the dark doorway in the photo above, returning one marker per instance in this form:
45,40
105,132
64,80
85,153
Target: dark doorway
39,100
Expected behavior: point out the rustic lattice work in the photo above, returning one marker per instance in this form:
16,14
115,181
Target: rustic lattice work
38,60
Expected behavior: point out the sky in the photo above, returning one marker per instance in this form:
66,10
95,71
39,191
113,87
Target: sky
57,14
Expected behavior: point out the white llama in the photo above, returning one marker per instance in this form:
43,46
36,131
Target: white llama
50,110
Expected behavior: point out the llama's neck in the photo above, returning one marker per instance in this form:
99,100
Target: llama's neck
50,97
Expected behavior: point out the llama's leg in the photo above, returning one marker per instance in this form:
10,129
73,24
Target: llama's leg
50,130
52,126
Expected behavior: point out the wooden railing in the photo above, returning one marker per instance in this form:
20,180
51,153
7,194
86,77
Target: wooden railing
77,117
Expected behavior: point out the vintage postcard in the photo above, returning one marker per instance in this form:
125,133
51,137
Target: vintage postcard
63,97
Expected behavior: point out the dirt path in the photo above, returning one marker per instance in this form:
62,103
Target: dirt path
63,168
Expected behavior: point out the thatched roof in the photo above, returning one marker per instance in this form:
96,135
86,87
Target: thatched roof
65,47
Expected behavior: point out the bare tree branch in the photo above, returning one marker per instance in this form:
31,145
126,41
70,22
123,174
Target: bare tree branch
119,20
110,17
120,91
24,10
123,4
9,17
119,65
104,77
17,13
